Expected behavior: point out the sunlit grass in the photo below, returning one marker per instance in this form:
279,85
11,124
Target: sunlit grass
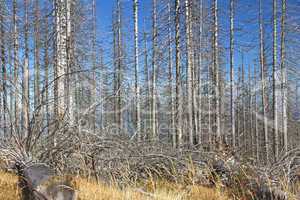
161,190
90,190
157,190
9,187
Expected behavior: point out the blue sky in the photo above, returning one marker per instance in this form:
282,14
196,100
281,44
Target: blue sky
246,18
244,10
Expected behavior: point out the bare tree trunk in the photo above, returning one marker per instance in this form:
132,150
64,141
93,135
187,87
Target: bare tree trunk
216,68
103,92
238,114
61,56
147,77
170,78
136,63
3,66
11,95
275,95
189,72
209,95
25,84
263,87
178,76
250,114
154,59
94,84
69,76
115,61
119,66
243,105
46,66
284,77
16,67
256,119
232,106
200,133
36,55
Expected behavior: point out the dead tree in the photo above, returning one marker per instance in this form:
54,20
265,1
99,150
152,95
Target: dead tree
136,69
263,84
178,100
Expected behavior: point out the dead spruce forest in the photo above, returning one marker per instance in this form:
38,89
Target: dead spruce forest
149,99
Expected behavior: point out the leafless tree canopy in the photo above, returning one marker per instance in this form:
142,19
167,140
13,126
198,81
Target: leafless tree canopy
166,85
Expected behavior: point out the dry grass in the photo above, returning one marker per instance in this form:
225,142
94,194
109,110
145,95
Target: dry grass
88,190
8,187
151,190
158,191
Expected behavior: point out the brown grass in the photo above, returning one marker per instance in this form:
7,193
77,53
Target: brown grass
159,191
89,190
154,190
8,187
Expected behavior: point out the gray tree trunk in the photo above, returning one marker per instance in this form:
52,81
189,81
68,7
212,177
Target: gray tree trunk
136,69
275,83
263,87
216,68
36,54
189,72
154,68
25,83
178,99
284,77
232,106
16,67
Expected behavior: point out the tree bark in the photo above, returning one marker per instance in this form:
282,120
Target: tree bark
200,133
275,94
136,69
284,77
216,68
232,106
154,68
94,66
36,55
25,84
61,56
170,78
178,99
263,87
189,73
16,67
4,74
256,129
46,68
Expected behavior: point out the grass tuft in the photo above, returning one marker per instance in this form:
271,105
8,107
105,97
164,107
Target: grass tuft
9,186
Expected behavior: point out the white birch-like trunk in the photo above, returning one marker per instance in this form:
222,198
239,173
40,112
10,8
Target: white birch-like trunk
36,55
61,55
216,68
170,78
284,77
16,67
178,76
154,68
263,87
275,83
232,103
200,133
25,84
136,69
189,73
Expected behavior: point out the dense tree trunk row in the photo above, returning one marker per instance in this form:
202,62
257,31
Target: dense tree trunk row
185,79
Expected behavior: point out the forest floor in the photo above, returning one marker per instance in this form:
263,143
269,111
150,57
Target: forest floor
89,190
149,190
